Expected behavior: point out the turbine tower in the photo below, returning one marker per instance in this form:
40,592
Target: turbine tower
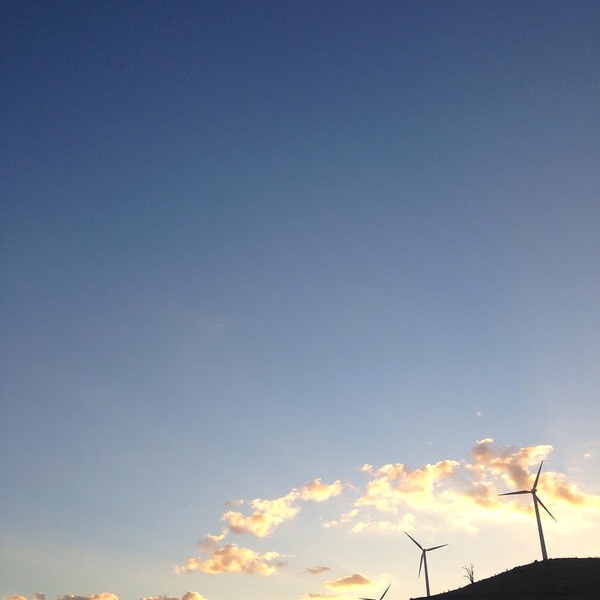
423,562
536,501
382,595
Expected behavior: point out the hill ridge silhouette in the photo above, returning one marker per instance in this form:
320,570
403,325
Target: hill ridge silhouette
555,578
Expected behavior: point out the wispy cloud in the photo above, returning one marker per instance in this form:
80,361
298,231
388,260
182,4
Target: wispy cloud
344,518
317,570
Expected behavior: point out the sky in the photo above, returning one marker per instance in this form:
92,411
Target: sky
285,280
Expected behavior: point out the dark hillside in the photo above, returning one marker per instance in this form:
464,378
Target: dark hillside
555,579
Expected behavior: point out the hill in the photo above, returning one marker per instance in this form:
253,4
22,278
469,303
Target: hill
554,579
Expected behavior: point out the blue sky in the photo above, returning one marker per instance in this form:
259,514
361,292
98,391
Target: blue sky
250,248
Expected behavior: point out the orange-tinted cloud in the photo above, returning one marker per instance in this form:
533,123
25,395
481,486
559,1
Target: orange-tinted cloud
192,596
233,559
351,581
319,492
267,515
394,485
449,493
510,464
464,493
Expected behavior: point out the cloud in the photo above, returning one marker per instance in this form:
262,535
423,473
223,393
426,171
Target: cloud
403,523
210,542
448,494
101,596
463,494
511,465
351,581
237,502
317,570
233,559
394,485
556,487
265,518
268,515
192,596
319,492
345,518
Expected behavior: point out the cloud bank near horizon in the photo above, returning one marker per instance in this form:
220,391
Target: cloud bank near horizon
106,596
449,494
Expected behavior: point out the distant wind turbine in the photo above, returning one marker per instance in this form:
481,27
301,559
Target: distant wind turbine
424,552
382,595
536,501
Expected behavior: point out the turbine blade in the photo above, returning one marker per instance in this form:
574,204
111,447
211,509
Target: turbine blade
537,476
544,506
384,593
415,541
366,599
421,563
515,493
436,547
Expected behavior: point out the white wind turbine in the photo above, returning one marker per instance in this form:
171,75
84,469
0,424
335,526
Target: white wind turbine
424,552
382,595
536,501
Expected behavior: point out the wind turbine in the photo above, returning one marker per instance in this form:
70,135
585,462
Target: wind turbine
424,560
536,501
382,595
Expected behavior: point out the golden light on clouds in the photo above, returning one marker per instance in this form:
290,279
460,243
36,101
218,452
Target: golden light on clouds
319,492
351,581
460,495
233,559
267,515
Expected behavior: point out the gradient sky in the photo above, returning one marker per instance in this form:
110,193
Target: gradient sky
275,275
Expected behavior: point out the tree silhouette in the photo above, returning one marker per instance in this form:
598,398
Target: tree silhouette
470,572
